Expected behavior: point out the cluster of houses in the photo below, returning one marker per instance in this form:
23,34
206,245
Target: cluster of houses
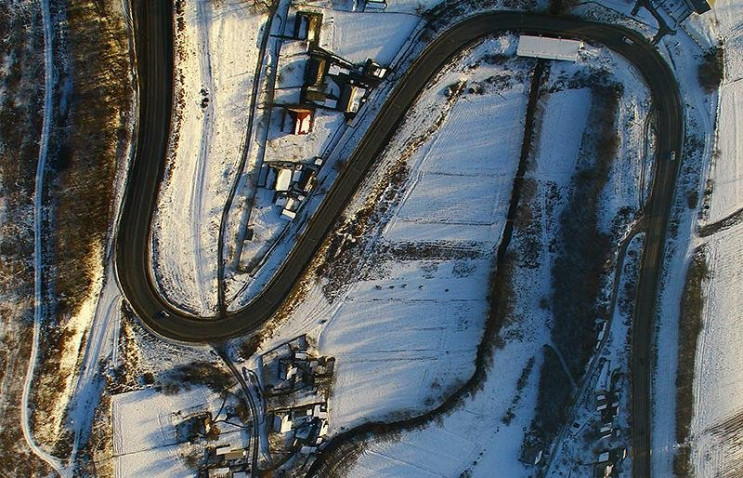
291,181
296,386
222,459
330,82
607,406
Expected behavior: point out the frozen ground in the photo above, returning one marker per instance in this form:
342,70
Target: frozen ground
485,432
216,46
727,174
145,442
718,387
355,37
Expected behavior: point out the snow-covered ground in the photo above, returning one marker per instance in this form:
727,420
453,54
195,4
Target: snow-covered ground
216,45
485,432
718,383
145,439
355,37
404,330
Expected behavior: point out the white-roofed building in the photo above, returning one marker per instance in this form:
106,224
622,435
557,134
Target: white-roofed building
549,48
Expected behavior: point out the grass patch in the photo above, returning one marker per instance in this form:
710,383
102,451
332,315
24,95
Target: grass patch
216,378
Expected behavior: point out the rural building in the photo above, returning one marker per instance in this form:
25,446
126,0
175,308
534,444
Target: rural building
307,26
283,180
351,97
549,48
374,70
371,5
315,70
298,120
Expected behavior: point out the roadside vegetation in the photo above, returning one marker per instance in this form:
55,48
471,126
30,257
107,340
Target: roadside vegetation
690,326
21,98
90,142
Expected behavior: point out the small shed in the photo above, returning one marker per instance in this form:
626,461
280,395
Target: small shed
299,119
307,26
351,97
283,180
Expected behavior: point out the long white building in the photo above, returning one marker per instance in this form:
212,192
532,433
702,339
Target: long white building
549,48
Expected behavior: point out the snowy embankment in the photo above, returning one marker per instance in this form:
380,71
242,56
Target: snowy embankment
215,56
717,422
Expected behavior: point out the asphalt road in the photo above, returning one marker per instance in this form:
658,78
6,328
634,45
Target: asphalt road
154,42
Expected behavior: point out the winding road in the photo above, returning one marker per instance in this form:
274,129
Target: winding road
154,43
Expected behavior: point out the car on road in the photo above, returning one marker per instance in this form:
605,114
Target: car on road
161,314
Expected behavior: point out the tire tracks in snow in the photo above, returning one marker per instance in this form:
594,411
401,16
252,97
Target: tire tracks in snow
204,12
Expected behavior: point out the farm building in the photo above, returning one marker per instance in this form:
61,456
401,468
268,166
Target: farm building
549,48
298,120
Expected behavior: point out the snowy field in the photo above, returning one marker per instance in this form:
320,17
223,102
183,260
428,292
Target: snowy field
485,433
414,324
145,439
717,424
718,388
144,436
727,174
358,36
216,54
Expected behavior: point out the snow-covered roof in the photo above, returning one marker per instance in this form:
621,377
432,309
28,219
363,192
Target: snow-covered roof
549,48
284,179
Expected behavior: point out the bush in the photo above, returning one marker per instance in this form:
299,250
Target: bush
196,373
711,71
